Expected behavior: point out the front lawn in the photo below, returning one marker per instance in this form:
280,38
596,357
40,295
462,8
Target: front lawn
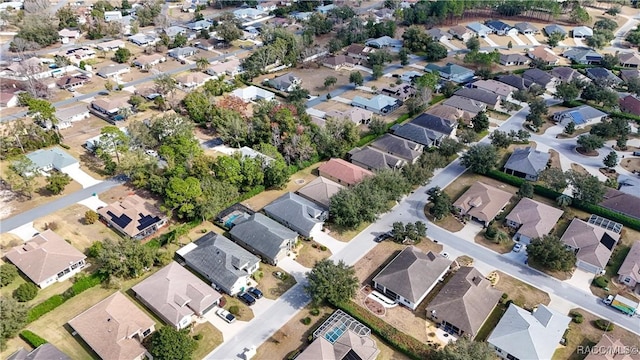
271,286
211,338
244,312
310,252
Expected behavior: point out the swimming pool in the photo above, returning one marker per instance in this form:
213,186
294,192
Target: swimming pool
230,220
335,334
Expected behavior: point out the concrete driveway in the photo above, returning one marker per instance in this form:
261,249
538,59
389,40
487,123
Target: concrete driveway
489,41
228,330
81,177
518,257
25,232
517,39
327,240
93,203
448,44
581,279
578,42
532,39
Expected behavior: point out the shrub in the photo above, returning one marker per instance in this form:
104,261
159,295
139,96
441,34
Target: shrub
90,217
51,226
94,249
25,292
197,337
323,248
306,320
601,282
504,298
65,146
604,325
234,309
578,318
315,312
257,275
8,273
32,339
44,307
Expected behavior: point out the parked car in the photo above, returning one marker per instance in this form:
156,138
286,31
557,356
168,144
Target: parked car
517,247
382,237
445,255
608,300
225,315
247,298
255,292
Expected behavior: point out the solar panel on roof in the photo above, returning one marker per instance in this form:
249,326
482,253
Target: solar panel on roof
122,221
608,241
146,220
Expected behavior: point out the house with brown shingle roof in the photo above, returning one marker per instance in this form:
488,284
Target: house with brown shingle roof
464,303
611,349
544,54
176,295
343,172
592,244
532,219
482,202
320,191
630,104
42,352
46,259
629,272
133,217
411,275
114,328
460,32
630,60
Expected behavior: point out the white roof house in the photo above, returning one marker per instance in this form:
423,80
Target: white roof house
253,93
582,32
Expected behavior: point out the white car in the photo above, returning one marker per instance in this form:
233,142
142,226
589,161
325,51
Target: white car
517,247
445,255
225,315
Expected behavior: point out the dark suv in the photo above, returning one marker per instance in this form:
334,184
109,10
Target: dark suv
247,299
255,292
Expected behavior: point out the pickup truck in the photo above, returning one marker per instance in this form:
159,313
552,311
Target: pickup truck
626,306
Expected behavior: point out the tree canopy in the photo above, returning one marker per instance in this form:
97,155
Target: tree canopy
480,158
331,282
171,344
551,253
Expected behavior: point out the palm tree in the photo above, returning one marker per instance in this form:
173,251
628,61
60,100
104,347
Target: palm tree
202,64
563,201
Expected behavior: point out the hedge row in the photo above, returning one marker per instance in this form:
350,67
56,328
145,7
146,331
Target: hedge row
553,195
32,339
44,307
404,343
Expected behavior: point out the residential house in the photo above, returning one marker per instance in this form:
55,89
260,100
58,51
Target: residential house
603,76
451,113
112,15
464,303
479,29
224,263
144,39
482,202
460,32
401,92
53,158
320,190
67,35
526,28
554,28
148,61
532,219
71,82
176,295
287,82
45,351
114,328
581,116
491,99
133,217
397,146
592,244
418,134
630,104
610,350
231,68
527,163
439,34
581,32
627,75
500,28
355,115
499,88
263,236
113,70
343,172
583,56
622,202
411,275
297,213
339,61
325,9
514,60
253,93
539,77
566,74
8,99
248,14
301,16
629,272
516,81
358,51
373,159
379,104
544,54
109,107
440,126
183,52
47,258
384,42
465,104
267,6
79,54
629,60
173,31
198,25
112,45
451,72
191,80
353,341
409,76
69,115
521,334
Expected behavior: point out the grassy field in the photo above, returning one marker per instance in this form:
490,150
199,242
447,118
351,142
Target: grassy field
345,235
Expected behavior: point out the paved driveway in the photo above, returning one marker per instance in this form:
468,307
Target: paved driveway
93,203
80,176
533,39
490,42
25,232
517,39
581,279
228,330
327,240
447,43
578,42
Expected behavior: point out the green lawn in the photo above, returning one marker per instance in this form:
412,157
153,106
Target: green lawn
211,338
491,322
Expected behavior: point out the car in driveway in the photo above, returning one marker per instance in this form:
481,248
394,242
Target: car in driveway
517,247
225,315
382,237
246,298
256,293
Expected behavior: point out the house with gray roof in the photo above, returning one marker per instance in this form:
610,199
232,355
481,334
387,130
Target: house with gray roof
46,160
183,52
603,76
384,42
554,28
532,219
592,244
514,59
221,261
492,100
493,86
521,334
526,28
397,146
373,159
566,74
583,56
113,70
465,104
43,352
527,163
416,133
464,303
480,29
628,74
443,127
411,275
500,27
437,34
539,77
379,104
516,81
297,213
320,190
286,82
629,272
451,72
176,295
263,236
581,116
581,32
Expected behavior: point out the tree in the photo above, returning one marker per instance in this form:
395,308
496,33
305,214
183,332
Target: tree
22,175
403,54
165,84
473,44
67,18
113,140
554,39
356,78
598,40
589,142
331,282
605,24
480,122
377,126
449,147
554,178
579,15
377,71
611,160
25,292
500,139
551,253
570,128
330,81
124,259
42,111
202,63
57,181
526,190
90,217
181,195
297,94
13,319
122,55
586,187
467,136
480,158
614,10
171,344
567,91
464,349
442,205
8,273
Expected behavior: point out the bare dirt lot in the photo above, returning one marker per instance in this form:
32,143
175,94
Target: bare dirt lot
632,164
